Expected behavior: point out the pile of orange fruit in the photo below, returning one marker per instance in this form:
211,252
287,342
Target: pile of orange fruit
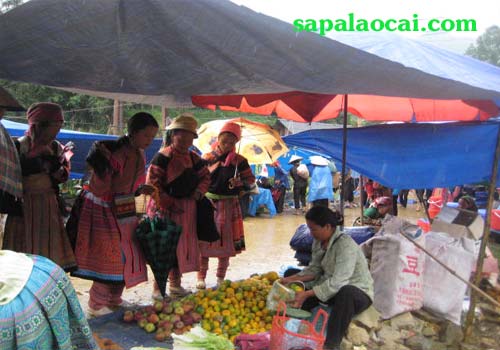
236,306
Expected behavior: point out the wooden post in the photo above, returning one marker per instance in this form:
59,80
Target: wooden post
344,155
164,117
117,126
486,235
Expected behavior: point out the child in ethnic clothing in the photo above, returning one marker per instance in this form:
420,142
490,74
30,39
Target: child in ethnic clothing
106,249
182,178
230,174
36,226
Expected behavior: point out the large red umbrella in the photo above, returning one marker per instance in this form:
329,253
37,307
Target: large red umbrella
309,107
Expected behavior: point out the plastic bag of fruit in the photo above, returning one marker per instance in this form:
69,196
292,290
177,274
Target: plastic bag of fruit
279,292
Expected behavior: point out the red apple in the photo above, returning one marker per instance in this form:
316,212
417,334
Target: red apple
150,309
179,324
196,317
187,319
128,316
165,324
153,318
160,336
187,307
168,309
179,331
138,315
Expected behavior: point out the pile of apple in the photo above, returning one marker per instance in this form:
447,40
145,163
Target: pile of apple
165,317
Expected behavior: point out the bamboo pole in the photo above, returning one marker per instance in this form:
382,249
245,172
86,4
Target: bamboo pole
483,294
486,236
344,156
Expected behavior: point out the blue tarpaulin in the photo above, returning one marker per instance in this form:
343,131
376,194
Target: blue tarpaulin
83,141
427,58
411,155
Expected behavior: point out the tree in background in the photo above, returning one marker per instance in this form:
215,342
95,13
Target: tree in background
82,112
487,47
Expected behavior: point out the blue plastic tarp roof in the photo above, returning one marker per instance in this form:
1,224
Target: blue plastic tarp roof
83,141
427,58
412,155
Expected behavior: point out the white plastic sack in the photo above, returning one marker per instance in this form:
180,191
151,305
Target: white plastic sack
443,292
397,267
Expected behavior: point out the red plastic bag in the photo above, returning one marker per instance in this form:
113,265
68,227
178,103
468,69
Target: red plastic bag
259,341
282,338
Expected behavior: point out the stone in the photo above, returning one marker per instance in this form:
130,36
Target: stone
361,347
388,335
429,331
489,343
418,342
451,334
401,347
435,345
405,334
368,319
403,321
345,345
357,335
388,346
466,346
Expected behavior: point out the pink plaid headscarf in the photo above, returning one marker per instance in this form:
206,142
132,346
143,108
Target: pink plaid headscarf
44,111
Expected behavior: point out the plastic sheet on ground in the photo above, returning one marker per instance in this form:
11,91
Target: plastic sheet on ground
124,334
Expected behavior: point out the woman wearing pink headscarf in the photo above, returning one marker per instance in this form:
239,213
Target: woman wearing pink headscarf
36,226
230,173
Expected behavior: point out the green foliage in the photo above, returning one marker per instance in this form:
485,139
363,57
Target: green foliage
6,5
81,112
487,47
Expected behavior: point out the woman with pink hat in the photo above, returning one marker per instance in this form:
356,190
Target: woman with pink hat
182,178
230,175
36,226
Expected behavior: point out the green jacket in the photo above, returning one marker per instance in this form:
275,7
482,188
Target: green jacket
341,264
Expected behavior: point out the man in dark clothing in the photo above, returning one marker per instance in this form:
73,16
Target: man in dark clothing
299,184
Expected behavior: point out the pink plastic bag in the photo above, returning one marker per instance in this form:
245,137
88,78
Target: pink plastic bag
259,341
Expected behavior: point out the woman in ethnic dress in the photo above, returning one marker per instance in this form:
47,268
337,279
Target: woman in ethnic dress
36,226
230,175
106,249
182,178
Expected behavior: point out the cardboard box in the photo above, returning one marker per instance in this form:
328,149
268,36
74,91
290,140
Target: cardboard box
459,223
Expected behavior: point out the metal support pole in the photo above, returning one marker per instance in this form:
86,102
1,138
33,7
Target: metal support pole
344,155
484,241
361,205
